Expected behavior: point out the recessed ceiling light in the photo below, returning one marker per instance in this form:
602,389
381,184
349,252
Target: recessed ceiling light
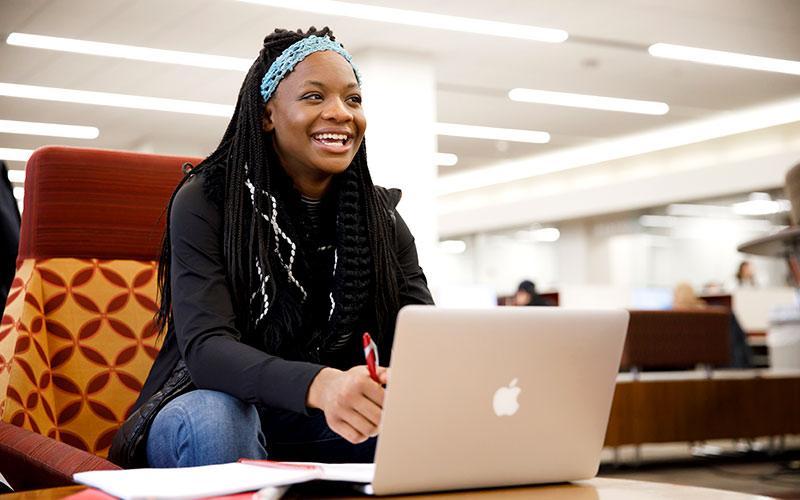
588,101
446,159
500,134
420,19
48,129
115,100
128,52
722,58
12,154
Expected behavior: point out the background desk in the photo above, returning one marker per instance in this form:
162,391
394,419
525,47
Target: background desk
594,489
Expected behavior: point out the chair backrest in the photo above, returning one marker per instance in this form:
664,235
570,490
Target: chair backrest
677,339
77,337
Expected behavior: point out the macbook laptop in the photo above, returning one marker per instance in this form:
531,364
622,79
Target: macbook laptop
496,397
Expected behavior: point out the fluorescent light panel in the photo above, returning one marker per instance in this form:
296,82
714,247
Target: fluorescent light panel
12,154
452,247
226,111
48,129
16,176
723,58
499,134
446,159
115,100
128,52
720,125
19,193
588,101
420,19
761,204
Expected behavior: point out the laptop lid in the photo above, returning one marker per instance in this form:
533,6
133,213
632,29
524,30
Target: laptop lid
497,397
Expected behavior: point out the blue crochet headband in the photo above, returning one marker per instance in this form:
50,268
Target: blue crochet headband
295,53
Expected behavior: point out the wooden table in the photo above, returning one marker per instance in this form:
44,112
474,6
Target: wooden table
594,489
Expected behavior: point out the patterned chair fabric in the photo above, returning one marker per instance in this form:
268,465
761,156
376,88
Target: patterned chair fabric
77,337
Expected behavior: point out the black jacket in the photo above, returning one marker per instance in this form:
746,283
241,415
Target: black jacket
204,338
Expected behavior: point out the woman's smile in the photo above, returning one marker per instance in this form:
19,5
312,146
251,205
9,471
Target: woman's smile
333,141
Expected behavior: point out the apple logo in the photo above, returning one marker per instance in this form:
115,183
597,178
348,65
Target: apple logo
505,399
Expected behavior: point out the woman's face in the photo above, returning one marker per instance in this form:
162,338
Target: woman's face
315,118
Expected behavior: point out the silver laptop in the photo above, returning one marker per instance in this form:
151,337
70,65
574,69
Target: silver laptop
497,397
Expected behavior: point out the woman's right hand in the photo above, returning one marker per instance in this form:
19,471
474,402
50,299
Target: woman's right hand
351,400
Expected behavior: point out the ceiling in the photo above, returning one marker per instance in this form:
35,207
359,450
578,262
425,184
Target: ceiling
606,54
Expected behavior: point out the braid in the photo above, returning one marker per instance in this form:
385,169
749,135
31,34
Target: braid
365,287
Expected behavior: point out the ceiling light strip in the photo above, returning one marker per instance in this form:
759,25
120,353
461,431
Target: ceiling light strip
128,52
722,58
499,134
420,19
446,159
721,125
115,100
226,111
11,154
48,129
588,101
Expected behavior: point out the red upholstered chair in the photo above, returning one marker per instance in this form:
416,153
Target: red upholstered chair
77,337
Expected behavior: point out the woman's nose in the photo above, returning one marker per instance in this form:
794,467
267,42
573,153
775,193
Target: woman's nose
336,109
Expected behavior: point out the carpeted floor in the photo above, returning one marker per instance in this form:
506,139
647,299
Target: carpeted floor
774,474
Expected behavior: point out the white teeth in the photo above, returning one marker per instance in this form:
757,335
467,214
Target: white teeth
331,137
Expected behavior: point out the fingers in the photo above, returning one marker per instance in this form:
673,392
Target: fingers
355,412
364,427
347,431
383,375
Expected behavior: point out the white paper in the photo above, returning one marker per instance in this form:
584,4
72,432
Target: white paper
192,482
356,473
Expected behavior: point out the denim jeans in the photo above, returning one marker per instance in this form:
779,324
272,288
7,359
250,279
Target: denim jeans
205,427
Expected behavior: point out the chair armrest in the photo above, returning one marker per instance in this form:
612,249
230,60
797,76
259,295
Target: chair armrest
33,461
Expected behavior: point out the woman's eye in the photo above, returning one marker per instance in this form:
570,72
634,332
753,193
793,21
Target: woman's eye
313,96
355,99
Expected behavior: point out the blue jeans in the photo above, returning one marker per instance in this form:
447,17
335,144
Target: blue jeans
205,427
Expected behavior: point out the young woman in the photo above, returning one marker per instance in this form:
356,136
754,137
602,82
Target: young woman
279,253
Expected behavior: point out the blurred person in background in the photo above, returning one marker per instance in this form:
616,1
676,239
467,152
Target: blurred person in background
745,276
528,296
740,352
683,297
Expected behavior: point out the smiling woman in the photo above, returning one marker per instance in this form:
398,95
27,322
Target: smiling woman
279,252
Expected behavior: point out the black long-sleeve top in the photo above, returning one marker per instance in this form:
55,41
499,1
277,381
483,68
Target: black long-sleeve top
204,331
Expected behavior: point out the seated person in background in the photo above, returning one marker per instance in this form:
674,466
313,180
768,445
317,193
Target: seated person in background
745,277
527,296
685,298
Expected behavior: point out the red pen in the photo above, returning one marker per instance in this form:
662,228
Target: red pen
371,355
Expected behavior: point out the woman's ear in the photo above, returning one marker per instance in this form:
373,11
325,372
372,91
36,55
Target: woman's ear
266,122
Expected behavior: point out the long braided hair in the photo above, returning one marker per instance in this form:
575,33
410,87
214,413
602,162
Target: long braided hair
365,285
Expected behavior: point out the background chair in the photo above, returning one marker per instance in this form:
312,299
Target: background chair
77,337
677,339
